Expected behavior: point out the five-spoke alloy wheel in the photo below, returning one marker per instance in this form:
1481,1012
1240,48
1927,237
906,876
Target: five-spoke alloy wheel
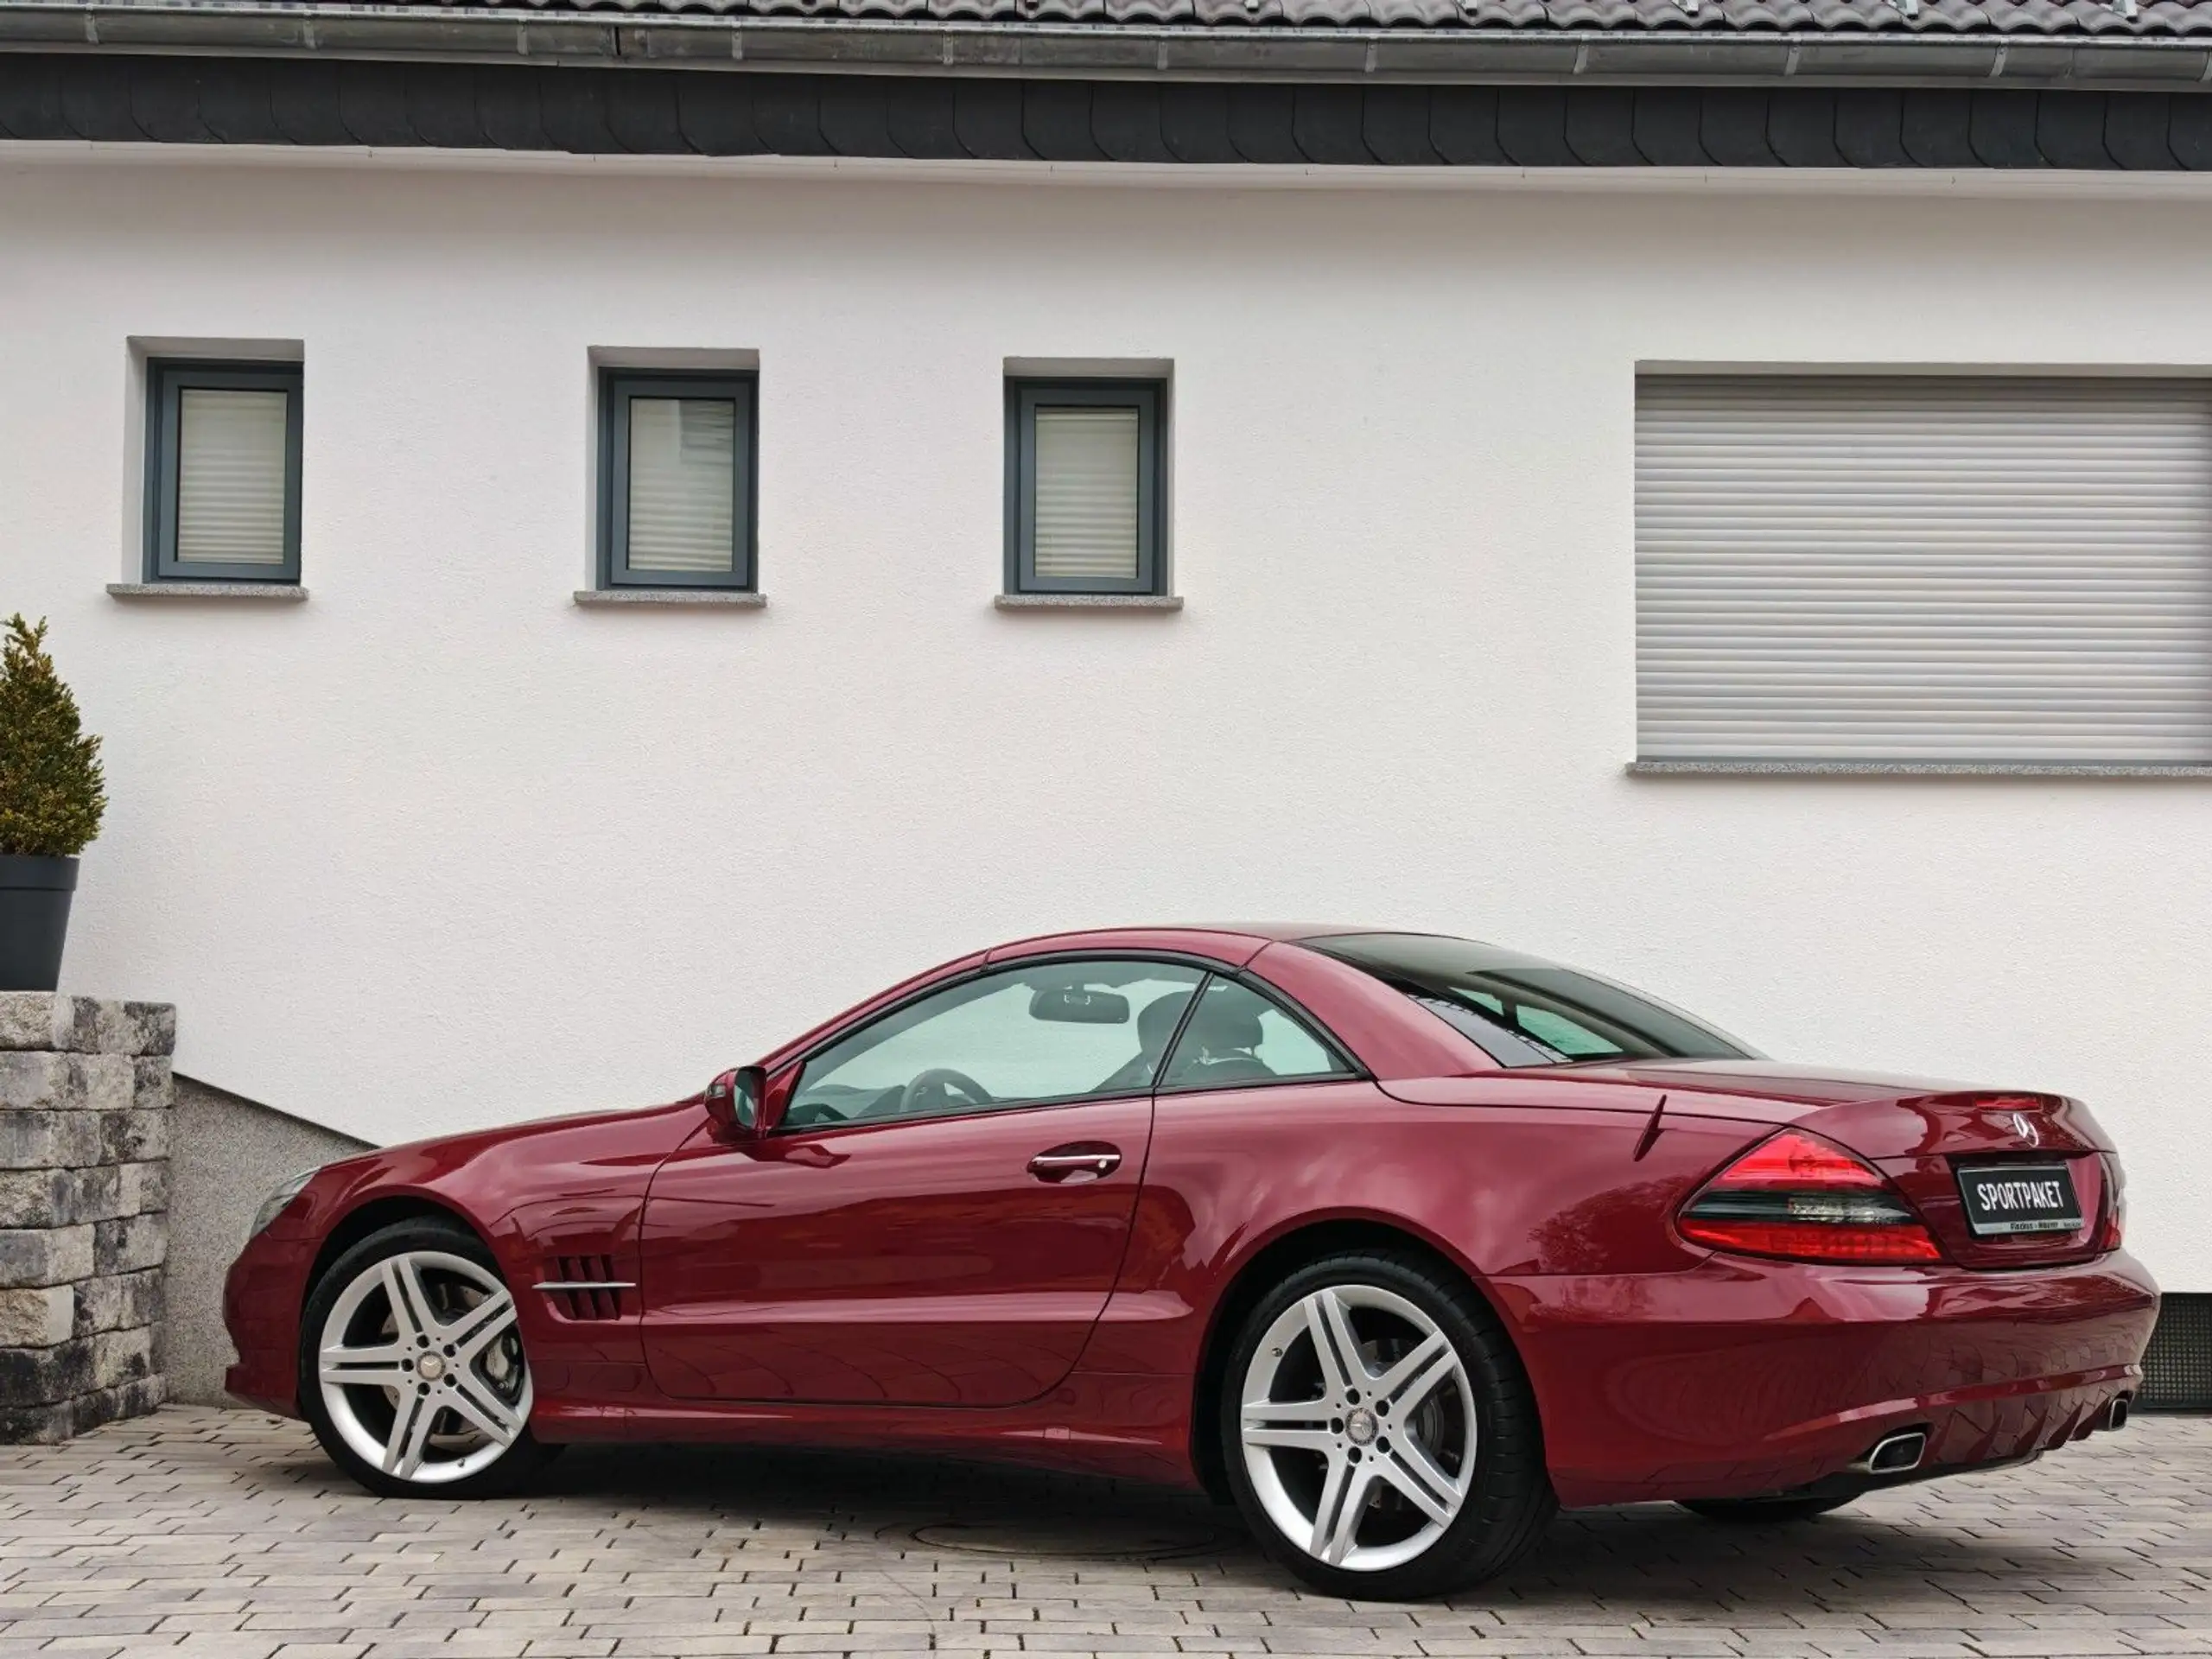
1379,1431
411,1365
1392,1425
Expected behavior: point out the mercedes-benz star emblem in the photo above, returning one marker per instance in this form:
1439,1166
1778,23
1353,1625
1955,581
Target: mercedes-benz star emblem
1359,1426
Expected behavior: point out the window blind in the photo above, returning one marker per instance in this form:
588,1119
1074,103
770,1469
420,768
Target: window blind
682,484
1923,569
230,476
1087,494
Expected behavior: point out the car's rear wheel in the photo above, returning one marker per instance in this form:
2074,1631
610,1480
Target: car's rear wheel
411,1367
1380,1432
1764,1511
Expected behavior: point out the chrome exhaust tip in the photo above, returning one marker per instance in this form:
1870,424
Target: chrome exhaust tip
1895,1455
2115,1414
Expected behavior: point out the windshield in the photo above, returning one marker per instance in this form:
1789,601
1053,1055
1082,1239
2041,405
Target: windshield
1525,1011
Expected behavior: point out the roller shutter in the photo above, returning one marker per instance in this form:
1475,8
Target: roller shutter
1923,569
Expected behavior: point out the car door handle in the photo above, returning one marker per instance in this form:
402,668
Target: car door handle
1087,1160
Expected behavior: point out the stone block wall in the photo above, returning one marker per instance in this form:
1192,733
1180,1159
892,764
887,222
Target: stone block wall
84,1089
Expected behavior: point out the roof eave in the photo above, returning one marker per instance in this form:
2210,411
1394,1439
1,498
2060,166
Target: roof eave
1151,52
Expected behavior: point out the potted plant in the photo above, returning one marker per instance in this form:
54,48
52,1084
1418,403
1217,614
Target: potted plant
51,799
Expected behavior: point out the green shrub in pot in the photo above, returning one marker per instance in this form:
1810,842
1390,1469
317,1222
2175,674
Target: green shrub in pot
51,798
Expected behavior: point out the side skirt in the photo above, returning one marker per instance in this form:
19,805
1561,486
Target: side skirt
1128,1427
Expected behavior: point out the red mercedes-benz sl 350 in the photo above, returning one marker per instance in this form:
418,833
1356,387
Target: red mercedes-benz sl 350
1400,1241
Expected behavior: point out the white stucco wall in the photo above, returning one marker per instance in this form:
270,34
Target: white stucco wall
439,848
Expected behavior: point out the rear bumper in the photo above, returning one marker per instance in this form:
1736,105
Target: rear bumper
1742,1378
261,1310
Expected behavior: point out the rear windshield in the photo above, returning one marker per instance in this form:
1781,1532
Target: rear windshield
1525,1011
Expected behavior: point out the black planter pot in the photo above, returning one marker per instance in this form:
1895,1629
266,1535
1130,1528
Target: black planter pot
33,920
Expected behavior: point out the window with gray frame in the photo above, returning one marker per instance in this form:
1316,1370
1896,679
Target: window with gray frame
1923,569
222,472
677,463
1085,487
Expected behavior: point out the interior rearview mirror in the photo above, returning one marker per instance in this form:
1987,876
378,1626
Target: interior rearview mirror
733,1102
1071,1005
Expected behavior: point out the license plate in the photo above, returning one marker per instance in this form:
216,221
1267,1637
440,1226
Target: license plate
2011,1199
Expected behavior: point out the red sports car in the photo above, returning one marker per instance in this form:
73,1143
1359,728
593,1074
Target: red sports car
1399,1240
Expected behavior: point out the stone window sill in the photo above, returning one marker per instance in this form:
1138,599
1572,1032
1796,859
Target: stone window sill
1088,601
729,599
1910,769
266,593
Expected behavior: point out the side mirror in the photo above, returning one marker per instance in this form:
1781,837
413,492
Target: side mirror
734,1103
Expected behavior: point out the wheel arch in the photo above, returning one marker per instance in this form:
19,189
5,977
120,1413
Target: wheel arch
374,1215
1267,1265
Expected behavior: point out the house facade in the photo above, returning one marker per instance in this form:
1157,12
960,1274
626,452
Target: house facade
597,537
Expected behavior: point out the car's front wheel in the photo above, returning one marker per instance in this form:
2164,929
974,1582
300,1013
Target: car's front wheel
1380,1432
411,1366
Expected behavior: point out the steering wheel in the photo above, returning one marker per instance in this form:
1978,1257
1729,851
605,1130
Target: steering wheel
944,1079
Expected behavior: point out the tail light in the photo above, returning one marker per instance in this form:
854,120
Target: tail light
1806,1199
2115,1205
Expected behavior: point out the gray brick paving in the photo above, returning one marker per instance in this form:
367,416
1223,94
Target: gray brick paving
197,1534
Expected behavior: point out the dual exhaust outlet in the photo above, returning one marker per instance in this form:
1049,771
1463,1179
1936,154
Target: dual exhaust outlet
1901,1453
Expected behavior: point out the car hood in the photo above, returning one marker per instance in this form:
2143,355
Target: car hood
486,1173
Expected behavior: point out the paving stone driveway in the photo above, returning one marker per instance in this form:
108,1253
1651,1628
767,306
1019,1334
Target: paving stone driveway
199,1532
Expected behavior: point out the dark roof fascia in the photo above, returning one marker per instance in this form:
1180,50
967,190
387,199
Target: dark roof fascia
1130,51
296,102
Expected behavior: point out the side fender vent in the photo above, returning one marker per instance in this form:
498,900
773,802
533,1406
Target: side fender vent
585,1287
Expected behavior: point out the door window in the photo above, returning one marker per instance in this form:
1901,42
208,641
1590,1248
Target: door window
1055,1031
1237,1036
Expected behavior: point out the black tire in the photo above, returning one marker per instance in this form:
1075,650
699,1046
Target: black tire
524,1457
1509,1498
1762,1511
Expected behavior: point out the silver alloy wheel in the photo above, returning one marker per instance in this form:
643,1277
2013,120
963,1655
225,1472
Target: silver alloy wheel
1359,1427
422,1367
